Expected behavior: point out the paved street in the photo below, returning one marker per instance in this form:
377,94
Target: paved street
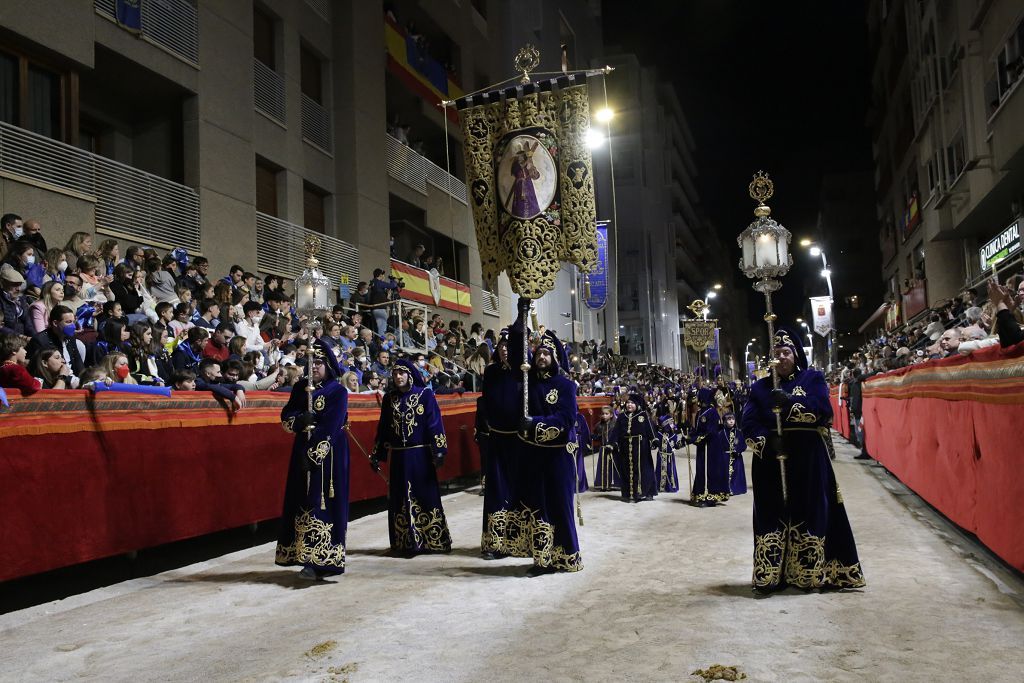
665,591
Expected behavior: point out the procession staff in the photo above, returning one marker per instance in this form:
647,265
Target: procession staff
805,540
411,435
315,514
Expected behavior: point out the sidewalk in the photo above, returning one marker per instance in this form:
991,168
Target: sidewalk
665,591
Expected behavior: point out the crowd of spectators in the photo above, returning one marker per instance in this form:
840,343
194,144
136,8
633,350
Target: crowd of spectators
978,318
84,313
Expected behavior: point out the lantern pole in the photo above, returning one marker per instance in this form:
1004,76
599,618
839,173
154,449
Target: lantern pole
311,290
765,245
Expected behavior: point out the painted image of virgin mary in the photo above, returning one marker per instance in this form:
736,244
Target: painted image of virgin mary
521,201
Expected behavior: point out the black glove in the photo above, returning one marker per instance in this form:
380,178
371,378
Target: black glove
528,428
656,443
780,399
774,443
438,459
304,422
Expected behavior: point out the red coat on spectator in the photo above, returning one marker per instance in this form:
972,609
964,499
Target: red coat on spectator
218,352
14,376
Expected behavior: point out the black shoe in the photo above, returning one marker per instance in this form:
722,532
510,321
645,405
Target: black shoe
537,570
490,555
648,497
862,456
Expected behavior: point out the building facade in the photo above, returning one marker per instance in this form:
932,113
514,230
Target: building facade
948,144
237,128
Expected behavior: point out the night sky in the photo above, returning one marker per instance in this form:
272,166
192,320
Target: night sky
780,86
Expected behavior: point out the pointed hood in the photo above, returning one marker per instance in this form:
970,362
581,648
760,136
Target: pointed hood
560,358
785,336
414,372
321,351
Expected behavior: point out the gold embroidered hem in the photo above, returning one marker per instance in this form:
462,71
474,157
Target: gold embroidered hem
312,545
802,556
419,530
706,497
521,533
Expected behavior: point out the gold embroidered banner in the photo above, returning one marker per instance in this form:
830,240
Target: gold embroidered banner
530,179
699,334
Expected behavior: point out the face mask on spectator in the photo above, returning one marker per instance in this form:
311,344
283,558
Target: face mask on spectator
30,260
421,363
68,330
70,291
62,266
122,371
18,232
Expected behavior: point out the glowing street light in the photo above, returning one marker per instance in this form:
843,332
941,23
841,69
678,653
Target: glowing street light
717,286
805,242
827,274
595,138
604,115
815,251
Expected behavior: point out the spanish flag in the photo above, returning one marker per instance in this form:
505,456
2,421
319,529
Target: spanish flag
418,287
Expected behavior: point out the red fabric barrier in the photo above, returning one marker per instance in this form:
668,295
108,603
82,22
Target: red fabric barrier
840,413
948,430
86,476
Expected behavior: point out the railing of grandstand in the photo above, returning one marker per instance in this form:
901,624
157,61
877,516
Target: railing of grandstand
268,91
1005,268
316,124
170,24
321,7
129,202
280,251
416,171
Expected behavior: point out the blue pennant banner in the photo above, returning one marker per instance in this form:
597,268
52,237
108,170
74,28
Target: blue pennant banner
599,278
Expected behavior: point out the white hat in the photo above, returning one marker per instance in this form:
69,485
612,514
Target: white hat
9,274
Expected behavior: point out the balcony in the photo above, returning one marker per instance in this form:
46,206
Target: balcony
268,91
280,251
130,203
316,124
417,171
171,25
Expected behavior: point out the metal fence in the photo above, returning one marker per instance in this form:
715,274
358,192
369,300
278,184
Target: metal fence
171,24
131,203
416,171
280,251
268,91
316,124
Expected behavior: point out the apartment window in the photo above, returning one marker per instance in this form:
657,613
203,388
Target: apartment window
567,40
266,188
32,95
313,208
263,38
1010,62
8,89
934,180
951,62
43,102
312,77
955,159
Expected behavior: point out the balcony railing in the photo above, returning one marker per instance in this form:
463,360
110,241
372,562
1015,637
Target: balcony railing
416,171
316,124
130,203
280,251
170,24
268,91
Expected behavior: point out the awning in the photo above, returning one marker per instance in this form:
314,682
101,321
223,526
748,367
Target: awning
879,312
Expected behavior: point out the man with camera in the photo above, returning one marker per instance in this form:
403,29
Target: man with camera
382,290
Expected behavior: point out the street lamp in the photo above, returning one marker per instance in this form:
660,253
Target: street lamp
765,245
810,339
826,273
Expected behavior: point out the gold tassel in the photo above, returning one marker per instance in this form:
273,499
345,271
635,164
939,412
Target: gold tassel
579,509
323,503
586,287
330,491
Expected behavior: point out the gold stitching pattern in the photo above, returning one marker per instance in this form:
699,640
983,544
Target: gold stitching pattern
318,453
312,544
440,440
416,529
320,403
288,425
799,391
756,446
547,433
552,397
521,533
802,556
799,413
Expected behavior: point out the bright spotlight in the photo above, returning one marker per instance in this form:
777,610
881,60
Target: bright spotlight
805,242
815,251
718,285
826,273
594,138
711,295
604,115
